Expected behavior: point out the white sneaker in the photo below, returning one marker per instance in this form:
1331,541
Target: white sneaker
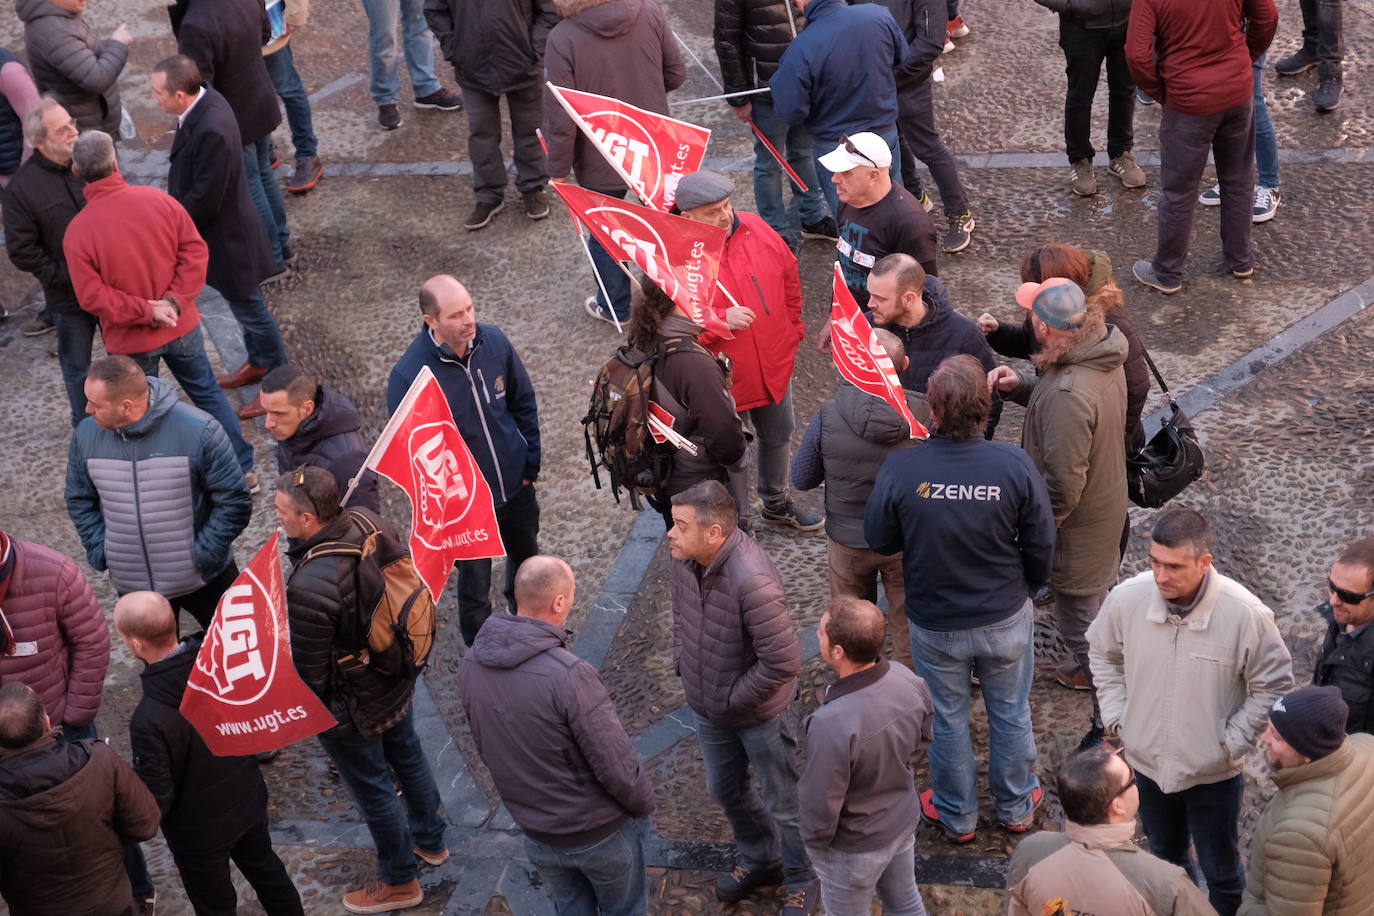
1266,205
1211,197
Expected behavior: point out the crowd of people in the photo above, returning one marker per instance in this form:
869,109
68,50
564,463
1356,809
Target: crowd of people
1186,669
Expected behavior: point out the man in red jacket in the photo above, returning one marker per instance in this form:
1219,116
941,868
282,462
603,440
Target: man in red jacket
760,299
137,263
1194,59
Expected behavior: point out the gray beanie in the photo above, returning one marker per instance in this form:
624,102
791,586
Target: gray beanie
1311,720
701,189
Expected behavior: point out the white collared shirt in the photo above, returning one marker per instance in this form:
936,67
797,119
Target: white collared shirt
181,118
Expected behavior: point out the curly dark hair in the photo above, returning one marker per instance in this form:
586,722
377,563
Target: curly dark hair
648,307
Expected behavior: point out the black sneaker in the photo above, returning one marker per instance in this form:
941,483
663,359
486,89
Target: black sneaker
825,229
960,233
1328,93
389,116
482,213
1294,64
789,513
441,99
744,880
536,204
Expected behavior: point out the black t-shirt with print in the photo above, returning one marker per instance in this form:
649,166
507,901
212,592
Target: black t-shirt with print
897,223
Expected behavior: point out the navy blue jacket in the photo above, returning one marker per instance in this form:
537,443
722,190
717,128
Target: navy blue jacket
492,400
974,520
837,76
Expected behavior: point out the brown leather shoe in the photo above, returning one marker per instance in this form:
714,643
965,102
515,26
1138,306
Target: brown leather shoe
252,409
246,374
1073,677
379,897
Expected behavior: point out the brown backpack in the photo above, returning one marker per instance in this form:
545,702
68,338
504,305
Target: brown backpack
396,636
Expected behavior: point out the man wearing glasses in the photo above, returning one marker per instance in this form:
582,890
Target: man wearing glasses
1347,656
1186,663
1094,866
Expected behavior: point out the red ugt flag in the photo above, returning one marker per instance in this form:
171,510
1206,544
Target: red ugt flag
244,695
650,151
452,514
861,359
681,256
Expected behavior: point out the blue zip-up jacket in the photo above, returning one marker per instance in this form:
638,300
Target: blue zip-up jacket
837,75
974,520
492,400
158,502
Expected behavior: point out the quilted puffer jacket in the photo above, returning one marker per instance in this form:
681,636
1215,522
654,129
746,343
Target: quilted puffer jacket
160,501
62,643
1312,847
734,644
69,60
750,38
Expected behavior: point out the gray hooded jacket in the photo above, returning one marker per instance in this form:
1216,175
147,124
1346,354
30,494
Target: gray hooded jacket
69,60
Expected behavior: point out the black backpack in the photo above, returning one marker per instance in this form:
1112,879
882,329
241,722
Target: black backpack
616,427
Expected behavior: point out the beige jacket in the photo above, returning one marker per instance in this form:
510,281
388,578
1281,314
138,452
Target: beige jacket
1189,695
297,13
1097,869
1313,850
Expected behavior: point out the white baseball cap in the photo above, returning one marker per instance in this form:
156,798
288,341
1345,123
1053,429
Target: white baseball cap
866,149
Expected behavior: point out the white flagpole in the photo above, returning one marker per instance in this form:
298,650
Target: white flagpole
596,273
717,98
673,436
709,75
389,431
637,187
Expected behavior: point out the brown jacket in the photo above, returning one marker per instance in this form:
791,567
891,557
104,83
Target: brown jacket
1313,848
734,644
1075,433
1097,869
66,813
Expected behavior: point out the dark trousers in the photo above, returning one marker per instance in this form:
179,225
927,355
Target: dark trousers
201,603
210,888
484,141
615,281
1209,814
518,521
1321,34
75,338
1184,140
920,140
1085,50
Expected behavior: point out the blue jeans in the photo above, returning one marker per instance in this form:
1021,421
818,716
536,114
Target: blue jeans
266,193
607,877
75,337
135,866
189,365
849,879
383,17
281,67
765,827
366,764
794,143
1209,814
612,277
261,337
823,175
1002,657
1266,144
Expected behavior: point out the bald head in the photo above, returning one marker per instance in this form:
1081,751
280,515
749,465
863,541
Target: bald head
544,589
449,312
439,288
147,624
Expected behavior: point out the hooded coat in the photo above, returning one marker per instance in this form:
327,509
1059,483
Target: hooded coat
548,732
619,48
69,60
495,46
67,810
190,783
1074,432
331,438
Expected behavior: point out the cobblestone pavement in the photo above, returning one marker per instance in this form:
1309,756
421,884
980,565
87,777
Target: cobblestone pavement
1288,439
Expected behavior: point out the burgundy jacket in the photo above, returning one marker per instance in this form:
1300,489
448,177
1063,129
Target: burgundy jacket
1194,57
62,641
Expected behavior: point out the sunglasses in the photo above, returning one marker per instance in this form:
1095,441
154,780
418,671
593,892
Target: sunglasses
1346,597
298,481
849,147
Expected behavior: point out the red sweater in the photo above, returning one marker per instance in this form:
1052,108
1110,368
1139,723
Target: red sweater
1192,56
133,243
760,271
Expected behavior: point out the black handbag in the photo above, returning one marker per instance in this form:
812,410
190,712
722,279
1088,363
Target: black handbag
1169,462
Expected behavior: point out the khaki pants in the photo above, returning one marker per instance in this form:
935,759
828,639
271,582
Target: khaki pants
854,571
